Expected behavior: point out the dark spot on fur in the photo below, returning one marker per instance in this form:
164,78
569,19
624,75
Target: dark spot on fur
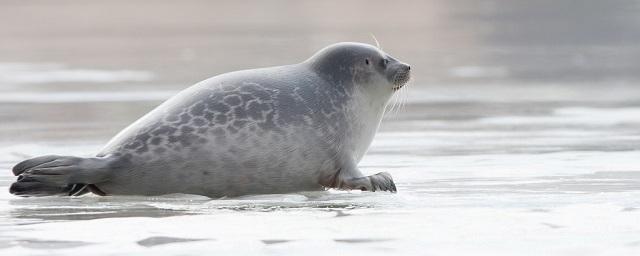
165,129
142,149
246,97
143,137
186,139
198,109
186,129
209,116
199,122
255,110
133,145
219,107
218,131
221,119
240,112
232,100
156,141
239,123
184,118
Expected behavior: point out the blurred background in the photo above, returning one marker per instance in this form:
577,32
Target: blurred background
520,128
105,63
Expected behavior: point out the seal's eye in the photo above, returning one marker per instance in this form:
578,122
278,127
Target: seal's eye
366,61
384,63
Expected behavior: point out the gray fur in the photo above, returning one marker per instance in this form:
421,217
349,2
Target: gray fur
271,130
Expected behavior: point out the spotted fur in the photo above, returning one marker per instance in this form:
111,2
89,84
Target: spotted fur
270,130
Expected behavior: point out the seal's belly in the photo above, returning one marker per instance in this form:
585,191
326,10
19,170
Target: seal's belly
239,164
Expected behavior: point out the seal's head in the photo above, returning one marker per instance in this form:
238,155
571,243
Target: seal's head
361,65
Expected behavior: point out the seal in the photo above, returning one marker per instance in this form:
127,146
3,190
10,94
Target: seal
271,130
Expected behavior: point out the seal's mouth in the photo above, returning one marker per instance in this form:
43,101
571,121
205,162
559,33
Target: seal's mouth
400,78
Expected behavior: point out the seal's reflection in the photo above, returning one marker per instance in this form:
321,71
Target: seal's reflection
37,210
91,207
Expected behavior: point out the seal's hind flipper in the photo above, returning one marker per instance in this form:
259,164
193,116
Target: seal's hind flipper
29,188
58,175
31,163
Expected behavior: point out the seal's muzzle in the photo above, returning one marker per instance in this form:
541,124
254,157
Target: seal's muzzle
401,76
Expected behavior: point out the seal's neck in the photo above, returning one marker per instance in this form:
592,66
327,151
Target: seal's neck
367,112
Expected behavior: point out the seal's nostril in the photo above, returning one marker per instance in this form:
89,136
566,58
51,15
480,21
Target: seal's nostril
408,67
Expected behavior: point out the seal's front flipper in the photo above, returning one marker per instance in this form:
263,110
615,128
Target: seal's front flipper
58,175
346,180
377,182
383,182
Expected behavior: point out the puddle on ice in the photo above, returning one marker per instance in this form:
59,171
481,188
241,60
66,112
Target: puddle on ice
160,240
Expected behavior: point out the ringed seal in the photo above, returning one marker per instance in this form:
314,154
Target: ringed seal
280,129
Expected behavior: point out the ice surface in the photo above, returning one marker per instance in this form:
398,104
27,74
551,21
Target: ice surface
480,186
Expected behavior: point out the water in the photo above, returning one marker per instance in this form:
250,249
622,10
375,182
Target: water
521,132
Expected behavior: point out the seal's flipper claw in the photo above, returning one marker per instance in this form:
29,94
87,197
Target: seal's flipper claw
78,189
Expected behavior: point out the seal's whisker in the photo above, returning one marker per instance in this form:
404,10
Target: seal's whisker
394,102
398,100
376,40
406,94
401,100
405,97
385,110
